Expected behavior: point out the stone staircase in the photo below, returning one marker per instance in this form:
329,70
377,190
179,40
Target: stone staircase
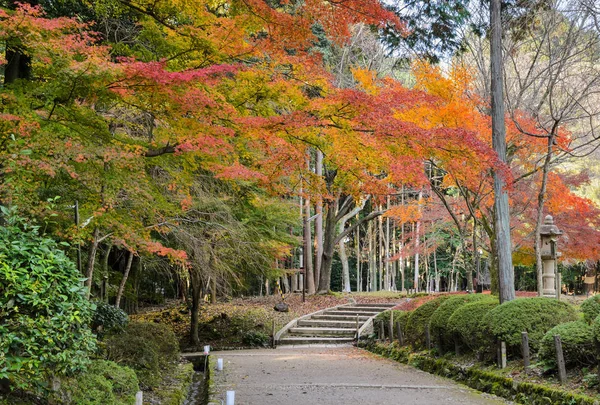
335,325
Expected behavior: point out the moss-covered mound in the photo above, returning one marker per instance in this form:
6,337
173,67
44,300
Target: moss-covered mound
591,308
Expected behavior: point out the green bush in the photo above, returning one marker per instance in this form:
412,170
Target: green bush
255,338
44,313
108,318
591,308
399,317
104,383
533,315
419,319
577,343
148,348
439,320
465,323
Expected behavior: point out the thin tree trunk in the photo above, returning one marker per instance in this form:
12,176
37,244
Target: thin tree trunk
124,280
436,273
213,289
502,214
380,252
196,295
308,263
342,246
416,269
318,223
372,263
109,246
388,277
91,260
357,248
541,200
395,262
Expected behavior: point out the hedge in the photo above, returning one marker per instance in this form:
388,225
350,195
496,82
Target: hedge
465,323
419,319
577,343
536,316
439,320
591,308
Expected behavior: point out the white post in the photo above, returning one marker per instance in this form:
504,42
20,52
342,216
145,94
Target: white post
139,398
230,398
219,364
206,349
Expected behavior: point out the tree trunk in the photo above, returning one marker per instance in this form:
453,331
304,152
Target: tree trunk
357,248
342,246
541,200
416,269
91,260
196,295
371,254
104,296
308,263
386,250
328,247
213,289
318,223
380,252
502,214
124,280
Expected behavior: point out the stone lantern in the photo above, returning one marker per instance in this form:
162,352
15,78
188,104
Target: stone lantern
549,234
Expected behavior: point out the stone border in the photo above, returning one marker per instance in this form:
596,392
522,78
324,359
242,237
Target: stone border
484,381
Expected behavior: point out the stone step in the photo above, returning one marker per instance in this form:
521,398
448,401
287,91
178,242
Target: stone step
351,312
365,309
386,306
313,331
292,340
361,318
328,323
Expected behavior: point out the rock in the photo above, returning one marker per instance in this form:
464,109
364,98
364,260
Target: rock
282,307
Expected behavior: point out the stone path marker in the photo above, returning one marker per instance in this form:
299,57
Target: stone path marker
333,375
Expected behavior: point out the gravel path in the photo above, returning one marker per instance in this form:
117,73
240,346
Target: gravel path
333,375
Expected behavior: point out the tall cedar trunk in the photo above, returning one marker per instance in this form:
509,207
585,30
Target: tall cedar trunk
386,251
357,248
196,294
372,284
318,223
416,269
502,214
308,263
395,262
380,250
91,260
436,273
328,247
124,280
541,200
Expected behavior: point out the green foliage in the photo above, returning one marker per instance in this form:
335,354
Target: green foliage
399,317
419,319
577,343
533,315
591,308
45,315
104,383
109,318
438,323
465,323
148,348
255,338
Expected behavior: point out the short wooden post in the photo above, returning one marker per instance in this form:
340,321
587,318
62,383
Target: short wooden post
399,333
357,328
502,355
273,335
427,338
457,346
381,330
560,360
525,350
391,326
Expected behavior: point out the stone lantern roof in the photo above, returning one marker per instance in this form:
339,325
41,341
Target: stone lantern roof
549,229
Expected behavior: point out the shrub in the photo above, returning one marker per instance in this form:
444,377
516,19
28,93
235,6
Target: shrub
465,323
533,315
419,319
439,320
108,318
399,317
591,308
255,338
104,383
43,307
577,342
148,348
